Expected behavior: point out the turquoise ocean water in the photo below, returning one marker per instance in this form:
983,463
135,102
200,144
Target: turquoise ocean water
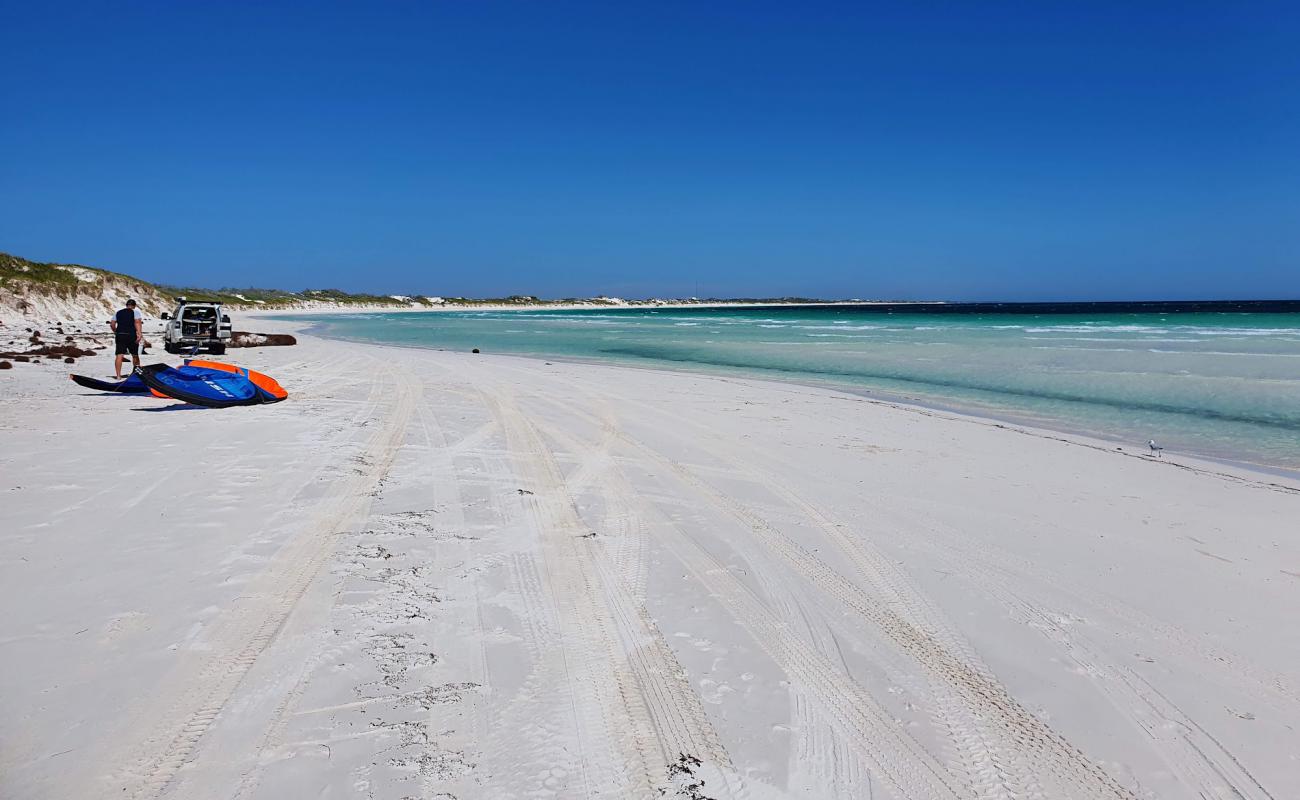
1217,380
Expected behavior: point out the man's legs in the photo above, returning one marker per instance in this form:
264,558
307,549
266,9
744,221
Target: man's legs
125,347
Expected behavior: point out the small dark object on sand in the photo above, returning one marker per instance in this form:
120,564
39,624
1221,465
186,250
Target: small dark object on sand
69,360
6,365
475,350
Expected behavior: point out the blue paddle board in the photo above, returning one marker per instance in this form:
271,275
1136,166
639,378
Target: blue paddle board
201,386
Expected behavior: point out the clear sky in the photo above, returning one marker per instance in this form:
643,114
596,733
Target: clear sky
975,150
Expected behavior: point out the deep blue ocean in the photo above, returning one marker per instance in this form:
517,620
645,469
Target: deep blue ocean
1211,379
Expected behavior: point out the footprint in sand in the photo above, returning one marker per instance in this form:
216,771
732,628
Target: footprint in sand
714,692
122,625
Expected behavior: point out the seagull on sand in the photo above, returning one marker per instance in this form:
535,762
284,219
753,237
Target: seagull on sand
1155,448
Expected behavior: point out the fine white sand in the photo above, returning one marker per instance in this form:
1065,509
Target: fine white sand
443,575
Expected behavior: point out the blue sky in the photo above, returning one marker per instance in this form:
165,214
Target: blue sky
912,150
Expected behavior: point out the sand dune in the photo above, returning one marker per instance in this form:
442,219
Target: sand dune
444,575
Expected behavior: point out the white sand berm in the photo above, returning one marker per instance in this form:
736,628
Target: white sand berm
436,575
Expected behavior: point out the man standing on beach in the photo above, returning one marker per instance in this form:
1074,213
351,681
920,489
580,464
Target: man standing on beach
128,326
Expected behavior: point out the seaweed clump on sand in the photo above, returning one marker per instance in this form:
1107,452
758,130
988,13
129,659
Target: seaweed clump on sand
68,353
685,782
55,350
247,339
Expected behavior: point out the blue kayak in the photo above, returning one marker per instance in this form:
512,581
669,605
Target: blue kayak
131,384
203,386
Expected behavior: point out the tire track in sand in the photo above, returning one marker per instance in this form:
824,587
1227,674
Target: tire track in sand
187,707
891,754
839,765
1048,756
1005,749
273,739
1207,766
645,712
1202,762
990,766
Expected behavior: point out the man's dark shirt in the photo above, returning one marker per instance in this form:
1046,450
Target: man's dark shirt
126,323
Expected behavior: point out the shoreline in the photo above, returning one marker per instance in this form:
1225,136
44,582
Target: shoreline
980,415
624,306
1168,306
489,576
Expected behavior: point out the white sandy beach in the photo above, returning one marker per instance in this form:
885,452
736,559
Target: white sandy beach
442,575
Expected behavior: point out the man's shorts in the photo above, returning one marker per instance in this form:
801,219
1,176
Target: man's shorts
127,346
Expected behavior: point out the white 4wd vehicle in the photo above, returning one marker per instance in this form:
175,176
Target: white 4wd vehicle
195,325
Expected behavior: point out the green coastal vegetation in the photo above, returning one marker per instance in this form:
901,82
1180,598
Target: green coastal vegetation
21,278
18,273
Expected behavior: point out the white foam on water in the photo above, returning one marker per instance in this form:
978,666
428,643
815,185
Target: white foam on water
837,336
1091,349
1223,353
1096,329
836,327
1103,339
1286,332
